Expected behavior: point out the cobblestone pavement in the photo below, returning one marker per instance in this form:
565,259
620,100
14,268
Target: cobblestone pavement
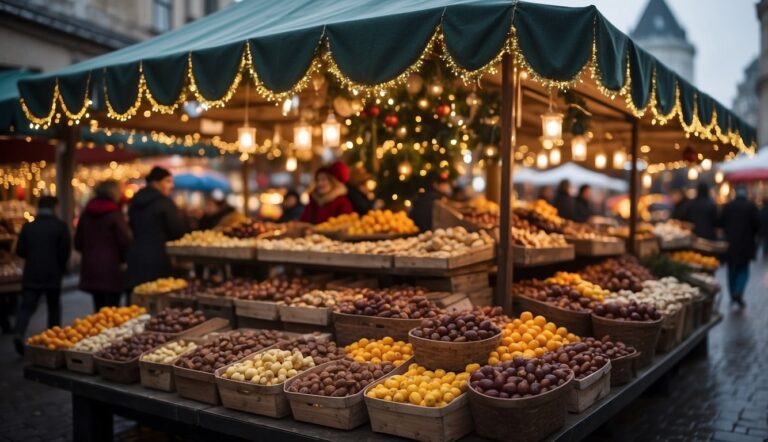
721,397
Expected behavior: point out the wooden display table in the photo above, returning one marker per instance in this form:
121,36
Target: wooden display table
96,401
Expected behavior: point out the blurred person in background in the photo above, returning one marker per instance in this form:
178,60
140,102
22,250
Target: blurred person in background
702,213
438,188
292,207
328,198
679,204
103,237
764,227
357,191
741,224
218,213
582,205
154,220
45,245
547,194
563,200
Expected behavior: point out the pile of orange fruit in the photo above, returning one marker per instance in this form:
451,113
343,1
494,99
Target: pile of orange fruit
691,257
422,387
378,351
530,337
65,337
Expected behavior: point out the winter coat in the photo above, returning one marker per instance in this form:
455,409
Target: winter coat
582,210
154,220
564,204
680,210
323,207
741,223
360,203
702,213
421,210
45,245
292,214
764,221
103,238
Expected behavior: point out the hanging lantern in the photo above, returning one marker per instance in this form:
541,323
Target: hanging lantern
414,83
473,100
331,131
601,161
302,136
647,181
619,158
706,164
693,173
579,148
555,156
542,160
246,139
404,168
291,163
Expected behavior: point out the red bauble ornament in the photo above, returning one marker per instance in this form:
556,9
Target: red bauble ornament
443,110
374,111
391,120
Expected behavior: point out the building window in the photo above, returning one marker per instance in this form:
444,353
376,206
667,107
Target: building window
161,15
211,6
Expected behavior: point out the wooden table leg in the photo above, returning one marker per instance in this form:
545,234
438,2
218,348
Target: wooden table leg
91,420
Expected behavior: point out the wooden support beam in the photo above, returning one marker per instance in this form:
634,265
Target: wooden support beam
65,171
503,295
633,185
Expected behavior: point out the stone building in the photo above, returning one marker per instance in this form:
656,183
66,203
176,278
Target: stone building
659,32
746,103
762,75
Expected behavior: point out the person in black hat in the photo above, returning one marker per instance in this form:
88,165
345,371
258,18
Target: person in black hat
45,245
292,207
154,220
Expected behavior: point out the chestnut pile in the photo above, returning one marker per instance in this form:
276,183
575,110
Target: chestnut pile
628,311
175,320
396,302
343,378
227,348
563,296
456,327
247,229
519,377
608,348
625,273
132,347
272,289
494,313
582,359
320,351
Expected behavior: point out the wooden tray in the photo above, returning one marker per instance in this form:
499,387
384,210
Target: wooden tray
451,356
177,301
587,391
196,385
444,216
352,282
645,247
44,357
458,284
305,315
476,256
80,361
154,303
429,424
578,323
481,297
159,376
209,326
596,247
352,328
342,236
350,260
676,243
450,301
124,372
266,310
234,253
708,246
344,413
536,256
217,307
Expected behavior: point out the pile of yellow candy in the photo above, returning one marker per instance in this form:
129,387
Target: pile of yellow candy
422,387
691,257
530,337
382,221
91,325
158,286
383,350
341,222
586,288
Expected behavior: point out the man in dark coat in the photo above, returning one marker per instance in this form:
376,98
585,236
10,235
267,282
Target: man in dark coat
741,224
563,201
582,205
292,207
702,213
438,187
764,227
45,245
102,237
154,220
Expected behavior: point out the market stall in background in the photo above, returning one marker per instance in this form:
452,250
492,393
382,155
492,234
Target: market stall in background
501,319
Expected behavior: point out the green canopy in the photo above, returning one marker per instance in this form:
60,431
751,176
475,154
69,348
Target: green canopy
370,45
11,116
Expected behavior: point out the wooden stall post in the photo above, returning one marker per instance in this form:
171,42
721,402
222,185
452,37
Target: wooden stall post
492,180
503,296
246,193
633,187
65,171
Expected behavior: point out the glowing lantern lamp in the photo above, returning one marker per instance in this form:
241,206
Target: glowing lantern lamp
579,148
542,160
302,136
246,138
555,156
619,158
331,131
601,160
552,127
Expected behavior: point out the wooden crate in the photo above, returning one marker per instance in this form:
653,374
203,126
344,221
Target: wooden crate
476,256
159,376
266,310
154,303
265,400
481,297
587,391
80,361
597,247
246,322
444,216
645,247
709,246
676,243
217,307
344,413
349,260
303,329
440,424
451,356
458,283
178,301
196,385
44,357
450,301
124,372
536,256
578,323
227,253
305,315
352,328
352,282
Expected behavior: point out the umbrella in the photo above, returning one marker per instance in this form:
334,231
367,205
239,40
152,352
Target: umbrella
204,181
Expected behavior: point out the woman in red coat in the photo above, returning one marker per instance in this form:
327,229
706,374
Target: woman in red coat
103,237
329,197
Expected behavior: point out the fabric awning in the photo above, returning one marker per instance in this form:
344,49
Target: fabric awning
11,116
369,45
574,173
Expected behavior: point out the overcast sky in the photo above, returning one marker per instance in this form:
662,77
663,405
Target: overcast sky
725,32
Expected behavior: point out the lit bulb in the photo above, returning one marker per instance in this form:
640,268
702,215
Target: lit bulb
331,131
619,158
601,160
435,89
706,164
302,136
246,138
287,106
423,103
725,189
291,163
552,126
579,148
647,181
719,177
554,156
404,168
693,173
542,160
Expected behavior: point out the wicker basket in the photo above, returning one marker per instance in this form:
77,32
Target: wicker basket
451,356
578,323
671,329
623,369
352,328
520,420
644,336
